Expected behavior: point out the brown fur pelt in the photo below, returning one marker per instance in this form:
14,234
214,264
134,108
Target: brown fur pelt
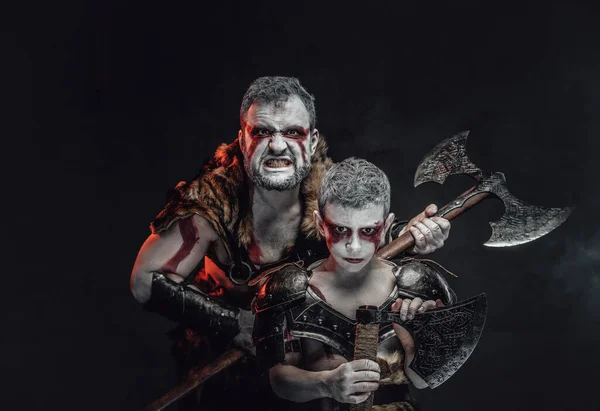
220,194
392,369
396,406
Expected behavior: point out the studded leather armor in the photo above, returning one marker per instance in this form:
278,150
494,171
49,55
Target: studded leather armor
286,304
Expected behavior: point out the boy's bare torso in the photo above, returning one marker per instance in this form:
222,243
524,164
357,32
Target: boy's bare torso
345,300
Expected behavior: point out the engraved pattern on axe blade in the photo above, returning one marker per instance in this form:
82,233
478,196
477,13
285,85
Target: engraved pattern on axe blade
522,222
445,338
447,158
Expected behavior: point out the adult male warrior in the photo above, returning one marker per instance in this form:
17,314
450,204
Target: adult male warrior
305,321
246,211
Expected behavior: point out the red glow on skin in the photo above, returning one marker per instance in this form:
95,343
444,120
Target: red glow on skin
318,292
189,234
252,147
254,252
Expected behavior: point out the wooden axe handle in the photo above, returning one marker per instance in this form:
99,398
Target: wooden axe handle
449,212
365,348
195,378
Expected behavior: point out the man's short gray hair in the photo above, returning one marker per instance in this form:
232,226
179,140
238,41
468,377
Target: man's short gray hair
355,183
277,89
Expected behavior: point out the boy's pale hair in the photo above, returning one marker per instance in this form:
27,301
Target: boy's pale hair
355,183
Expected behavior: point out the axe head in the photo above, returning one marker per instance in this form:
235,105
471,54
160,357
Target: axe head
445,338
447,158
520,223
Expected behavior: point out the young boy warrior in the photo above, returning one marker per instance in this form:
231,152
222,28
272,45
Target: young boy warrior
305,324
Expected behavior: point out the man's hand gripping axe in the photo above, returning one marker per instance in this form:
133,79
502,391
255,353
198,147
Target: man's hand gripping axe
445,337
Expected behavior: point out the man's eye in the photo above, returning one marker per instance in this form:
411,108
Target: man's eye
340,230
293,133
262,132
368,231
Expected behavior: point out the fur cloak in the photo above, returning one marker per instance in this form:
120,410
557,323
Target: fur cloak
220,194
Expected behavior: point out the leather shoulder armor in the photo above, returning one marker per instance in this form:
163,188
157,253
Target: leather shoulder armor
285,285
425,281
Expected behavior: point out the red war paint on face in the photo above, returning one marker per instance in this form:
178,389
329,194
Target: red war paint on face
374,236
335,237
254,141
304,133
189,233
303,149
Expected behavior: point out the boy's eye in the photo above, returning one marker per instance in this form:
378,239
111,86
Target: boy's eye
368,231
340,230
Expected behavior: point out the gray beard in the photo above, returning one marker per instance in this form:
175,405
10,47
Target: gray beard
289,183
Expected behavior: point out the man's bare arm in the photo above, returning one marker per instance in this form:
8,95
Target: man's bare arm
164,261
173,253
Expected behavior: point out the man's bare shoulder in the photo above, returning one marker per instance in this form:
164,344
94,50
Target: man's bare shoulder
204,227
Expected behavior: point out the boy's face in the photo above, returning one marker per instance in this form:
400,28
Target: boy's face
353,235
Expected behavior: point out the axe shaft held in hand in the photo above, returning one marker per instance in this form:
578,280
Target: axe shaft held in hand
449,212
365,347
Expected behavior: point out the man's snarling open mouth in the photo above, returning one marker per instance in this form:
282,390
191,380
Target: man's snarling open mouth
278,162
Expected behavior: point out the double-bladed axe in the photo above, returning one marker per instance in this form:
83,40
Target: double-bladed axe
520,223
445,337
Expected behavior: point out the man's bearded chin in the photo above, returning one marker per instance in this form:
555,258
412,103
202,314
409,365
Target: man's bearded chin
267,183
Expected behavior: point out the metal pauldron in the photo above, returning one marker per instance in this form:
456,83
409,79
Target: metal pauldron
422,279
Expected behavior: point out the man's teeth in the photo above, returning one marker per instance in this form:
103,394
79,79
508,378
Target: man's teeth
277,163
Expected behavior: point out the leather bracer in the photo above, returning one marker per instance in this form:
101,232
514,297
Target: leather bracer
191,308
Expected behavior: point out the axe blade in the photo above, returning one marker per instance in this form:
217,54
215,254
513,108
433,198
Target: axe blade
522,222
447,158
445,338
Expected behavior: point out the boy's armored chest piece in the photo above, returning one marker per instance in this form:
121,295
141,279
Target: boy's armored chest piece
315,319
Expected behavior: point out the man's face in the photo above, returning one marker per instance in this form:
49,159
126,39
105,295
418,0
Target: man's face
278,144
352,235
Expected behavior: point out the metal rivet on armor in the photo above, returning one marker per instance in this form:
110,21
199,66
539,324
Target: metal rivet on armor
335,327
434,291
269,297
304,317
276,329
320,321
348,335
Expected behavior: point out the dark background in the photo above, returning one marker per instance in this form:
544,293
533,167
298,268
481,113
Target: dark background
110,104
